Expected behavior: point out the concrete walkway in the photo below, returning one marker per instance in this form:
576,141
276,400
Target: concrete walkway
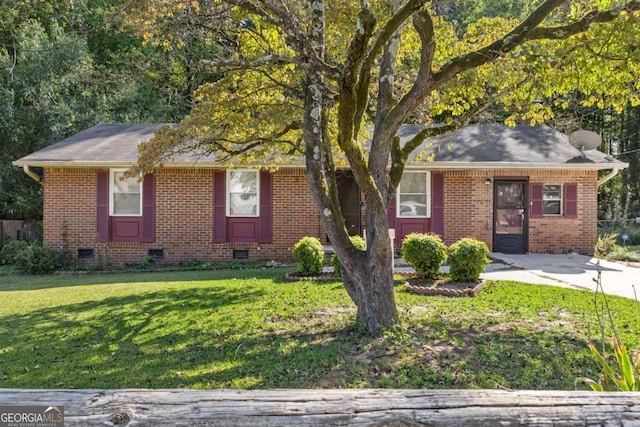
567,270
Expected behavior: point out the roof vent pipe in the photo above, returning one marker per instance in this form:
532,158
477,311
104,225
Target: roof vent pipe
32,174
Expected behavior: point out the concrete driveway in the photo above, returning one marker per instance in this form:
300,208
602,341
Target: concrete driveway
567,270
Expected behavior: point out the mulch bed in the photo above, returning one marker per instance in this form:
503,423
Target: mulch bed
444,287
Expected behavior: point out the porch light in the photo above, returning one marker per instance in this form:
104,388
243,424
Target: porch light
487,181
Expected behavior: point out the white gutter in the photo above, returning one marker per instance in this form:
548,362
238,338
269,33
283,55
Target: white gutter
37,178
608,176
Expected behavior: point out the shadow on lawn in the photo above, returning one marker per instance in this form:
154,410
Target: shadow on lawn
240,337
15,282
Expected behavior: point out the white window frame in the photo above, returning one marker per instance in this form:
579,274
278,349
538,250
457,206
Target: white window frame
112,173
546,199
228,191
427,191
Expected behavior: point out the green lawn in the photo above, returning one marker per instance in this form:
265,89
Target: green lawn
253,329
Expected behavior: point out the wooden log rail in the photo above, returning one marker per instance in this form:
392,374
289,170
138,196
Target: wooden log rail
352,407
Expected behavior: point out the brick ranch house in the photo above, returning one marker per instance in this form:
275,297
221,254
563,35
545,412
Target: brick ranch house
521,189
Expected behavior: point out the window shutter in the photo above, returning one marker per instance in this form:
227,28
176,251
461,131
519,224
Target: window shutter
537,205
219,208
571,200
148,208
437,203
102,205
266,233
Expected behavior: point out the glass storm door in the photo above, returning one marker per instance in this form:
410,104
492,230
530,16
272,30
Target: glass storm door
509,217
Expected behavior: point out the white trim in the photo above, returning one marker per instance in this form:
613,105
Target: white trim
428,195
409,166
228,193
112,172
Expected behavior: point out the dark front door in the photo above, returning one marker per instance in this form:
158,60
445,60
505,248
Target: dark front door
349,195
509,217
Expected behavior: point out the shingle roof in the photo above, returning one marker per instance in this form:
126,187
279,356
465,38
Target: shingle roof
490,143
473,146
102,144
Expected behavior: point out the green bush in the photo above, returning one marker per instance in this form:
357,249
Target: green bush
309,254
358,242
621,253
467,258
10,249
606,244
425,253
37,259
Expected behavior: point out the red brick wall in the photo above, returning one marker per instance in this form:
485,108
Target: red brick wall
469,209
184,214
183,217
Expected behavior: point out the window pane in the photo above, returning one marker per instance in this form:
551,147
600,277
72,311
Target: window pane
552,192
552,199
243,193
128,185
243,204
126,204
125,195
552,207
413,205
243,182
413,182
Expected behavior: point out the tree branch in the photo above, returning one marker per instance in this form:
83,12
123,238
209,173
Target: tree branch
526,31
422,85
382,37
270,59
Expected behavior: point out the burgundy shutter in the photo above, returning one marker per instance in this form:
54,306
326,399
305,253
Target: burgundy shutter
148,208
102,206
537,205
266,233
571,200
219,207
437,203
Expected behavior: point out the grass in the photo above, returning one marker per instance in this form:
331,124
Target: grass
253,329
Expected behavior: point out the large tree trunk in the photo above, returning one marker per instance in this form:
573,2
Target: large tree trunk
369,279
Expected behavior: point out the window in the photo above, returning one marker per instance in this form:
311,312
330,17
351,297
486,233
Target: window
552,199
125,194
413,195
242,189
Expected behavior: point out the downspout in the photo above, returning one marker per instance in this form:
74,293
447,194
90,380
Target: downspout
37,178
608,176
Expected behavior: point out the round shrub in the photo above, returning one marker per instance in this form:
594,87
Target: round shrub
309,254
467,259
358,242
425,253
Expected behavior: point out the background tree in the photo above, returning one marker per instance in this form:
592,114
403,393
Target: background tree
65,66
312,77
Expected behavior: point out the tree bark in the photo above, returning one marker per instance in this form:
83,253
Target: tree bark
368,276
345,407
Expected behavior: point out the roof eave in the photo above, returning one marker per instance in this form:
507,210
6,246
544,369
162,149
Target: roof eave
410,165
513,165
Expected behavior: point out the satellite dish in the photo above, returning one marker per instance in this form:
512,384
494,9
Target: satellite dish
585,140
